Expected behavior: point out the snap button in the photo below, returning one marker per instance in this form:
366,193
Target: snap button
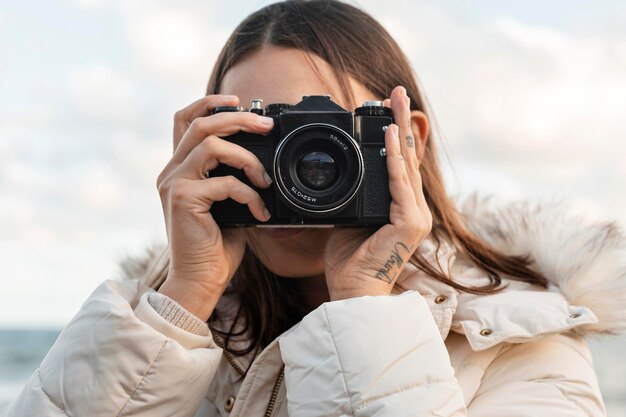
486,332
575,315
441,299
230,402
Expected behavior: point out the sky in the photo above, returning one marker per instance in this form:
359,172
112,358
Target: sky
529,98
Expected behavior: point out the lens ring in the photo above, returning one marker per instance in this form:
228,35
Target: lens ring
340,146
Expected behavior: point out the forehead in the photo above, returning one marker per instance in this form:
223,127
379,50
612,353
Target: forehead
284,75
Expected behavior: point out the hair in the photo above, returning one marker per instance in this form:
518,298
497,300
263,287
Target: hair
353,44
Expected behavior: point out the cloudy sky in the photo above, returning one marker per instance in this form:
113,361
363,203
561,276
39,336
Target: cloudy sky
529,97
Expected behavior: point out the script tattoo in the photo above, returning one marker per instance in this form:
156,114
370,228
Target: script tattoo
410,141
395,261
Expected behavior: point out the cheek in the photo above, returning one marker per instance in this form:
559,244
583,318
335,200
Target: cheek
298,256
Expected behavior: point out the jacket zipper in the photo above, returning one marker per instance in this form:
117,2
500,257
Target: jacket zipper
279,379
228,356
272,401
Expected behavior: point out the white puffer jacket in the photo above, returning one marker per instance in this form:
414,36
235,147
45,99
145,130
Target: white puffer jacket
428,350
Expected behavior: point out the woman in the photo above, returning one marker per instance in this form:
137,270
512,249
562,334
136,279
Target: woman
445,311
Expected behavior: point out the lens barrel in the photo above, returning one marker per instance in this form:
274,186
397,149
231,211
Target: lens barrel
318,168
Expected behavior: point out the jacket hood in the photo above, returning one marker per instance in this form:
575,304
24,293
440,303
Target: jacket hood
584,258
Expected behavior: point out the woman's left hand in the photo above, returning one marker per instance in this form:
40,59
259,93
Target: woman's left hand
358,265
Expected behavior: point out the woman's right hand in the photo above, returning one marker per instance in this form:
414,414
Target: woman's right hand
204,258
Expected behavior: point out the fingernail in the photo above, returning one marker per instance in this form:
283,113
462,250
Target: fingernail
266,121
267,213
267,178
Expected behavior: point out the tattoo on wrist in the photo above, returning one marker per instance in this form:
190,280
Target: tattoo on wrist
410,141
394,263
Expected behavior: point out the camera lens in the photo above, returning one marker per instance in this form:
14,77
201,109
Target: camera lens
317,170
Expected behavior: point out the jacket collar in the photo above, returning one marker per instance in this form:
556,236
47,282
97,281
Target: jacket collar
521,313
583,258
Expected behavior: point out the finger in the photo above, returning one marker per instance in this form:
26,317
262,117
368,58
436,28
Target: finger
408,145
400,103
199,108
212,151
399,182
221,124
405,213
221,188
402,116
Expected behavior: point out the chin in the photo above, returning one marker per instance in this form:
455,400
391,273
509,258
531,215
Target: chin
294,253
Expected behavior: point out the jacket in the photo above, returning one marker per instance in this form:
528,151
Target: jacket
426,350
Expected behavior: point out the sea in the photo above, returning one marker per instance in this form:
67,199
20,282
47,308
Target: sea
21,352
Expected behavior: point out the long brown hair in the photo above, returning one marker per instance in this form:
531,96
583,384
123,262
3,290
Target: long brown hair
354,44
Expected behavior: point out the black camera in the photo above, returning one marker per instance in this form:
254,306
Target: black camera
327,165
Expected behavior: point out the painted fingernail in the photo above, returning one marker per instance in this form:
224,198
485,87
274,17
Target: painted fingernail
266,121
267,178
267,213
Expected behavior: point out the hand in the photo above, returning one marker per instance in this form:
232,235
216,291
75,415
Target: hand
358,264
203,258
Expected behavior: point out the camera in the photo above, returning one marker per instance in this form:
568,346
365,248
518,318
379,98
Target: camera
327,165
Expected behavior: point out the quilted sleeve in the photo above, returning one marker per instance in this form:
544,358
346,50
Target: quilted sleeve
548,377
119,357
370,356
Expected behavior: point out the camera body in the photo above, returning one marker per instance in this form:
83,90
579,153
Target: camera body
327,164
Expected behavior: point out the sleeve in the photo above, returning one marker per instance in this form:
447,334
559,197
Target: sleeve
549,377
176,314
370,356
119,357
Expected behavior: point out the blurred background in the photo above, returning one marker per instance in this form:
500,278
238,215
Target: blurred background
529,98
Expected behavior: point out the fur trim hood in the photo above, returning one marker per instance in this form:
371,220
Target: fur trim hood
585,259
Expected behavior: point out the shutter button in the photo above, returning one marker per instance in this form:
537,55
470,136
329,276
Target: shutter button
230,402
